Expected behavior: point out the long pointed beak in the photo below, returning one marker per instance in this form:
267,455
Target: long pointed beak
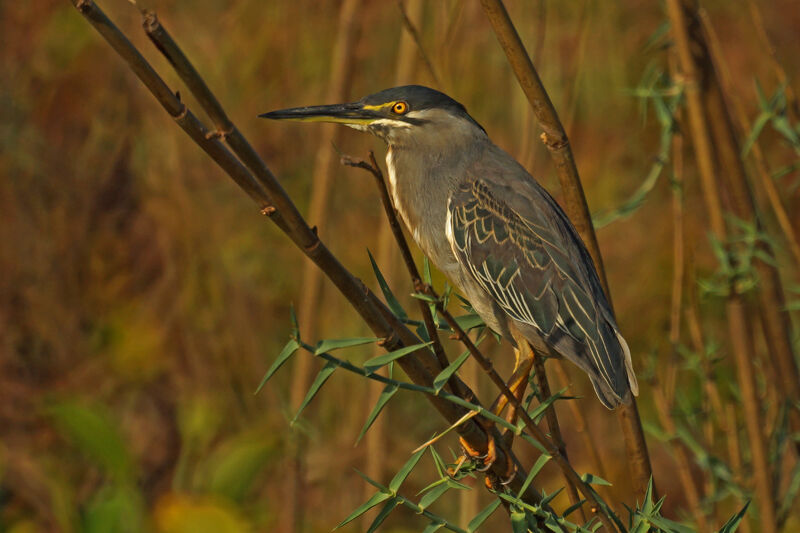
352,113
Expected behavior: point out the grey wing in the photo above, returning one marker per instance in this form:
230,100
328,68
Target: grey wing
534,267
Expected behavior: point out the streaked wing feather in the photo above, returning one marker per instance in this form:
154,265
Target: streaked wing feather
529,270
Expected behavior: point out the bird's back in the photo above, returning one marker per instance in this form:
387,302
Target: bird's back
513,239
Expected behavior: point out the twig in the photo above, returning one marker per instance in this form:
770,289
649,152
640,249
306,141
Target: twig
581,427
555,138
552,423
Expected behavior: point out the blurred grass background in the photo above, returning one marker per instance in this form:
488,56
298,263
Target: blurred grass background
142,296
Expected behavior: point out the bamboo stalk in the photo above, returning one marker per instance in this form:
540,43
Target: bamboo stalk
739,331
555,138
664,393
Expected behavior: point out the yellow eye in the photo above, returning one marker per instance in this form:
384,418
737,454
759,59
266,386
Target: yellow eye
400,108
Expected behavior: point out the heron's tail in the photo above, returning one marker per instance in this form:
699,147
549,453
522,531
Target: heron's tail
614,398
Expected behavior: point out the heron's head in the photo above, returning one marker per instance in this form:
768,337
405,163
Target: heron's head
406,115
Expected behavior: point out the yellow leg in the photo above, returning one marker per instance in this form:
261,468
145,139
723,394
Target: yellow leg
517,384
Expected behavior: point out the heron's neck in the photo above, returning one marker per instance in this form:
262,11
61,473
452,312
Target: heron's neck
421,180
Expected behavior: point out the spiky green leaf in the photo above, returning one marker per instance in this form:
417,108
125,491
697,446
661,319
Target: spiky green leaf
481,517
403,473
388,391
732,524
451,369
391,300
591,479
385,511
284,356
537,466
433,495
375,499
371,365
319,381
330,345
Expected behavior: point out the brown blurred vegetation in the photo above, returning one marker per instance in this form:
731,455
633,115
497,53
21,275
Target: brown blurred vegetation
142,297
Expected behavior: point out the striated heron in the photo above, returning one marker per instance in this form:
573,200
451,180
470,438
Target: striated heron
485,222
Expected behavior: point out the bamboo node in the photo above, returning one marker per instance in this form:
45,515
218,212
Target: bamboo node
183,112
219,134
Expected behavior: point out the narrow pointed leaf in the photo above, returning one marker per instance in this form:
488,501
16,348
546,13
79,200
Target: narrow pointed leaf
470,321
295,326
440,481
451,369
481,517
371,481
377,498
591,479
550,497
537,466
433,495
665,524
732,524
426,271
391,300
437,460
403,473
385,511
388,391
758,126
424,297
572,508
284,356
320,380
337,344
371,365
540,410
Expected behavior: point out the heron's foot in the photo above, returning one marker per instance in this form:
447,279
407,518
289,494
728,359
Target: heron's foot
479,462
483,462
